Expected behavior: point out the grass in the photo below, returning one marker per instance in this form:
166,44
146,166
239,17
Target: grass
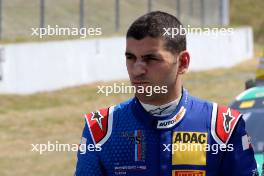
249,13
57,116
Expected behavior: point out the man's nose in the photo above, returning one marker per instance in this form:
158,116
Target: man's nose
139,68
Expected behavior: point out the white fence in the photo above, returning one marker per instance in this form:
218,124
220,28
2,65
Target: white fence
34,67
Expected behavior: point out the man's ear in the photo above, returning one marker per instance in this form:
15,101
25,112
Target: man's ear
184,61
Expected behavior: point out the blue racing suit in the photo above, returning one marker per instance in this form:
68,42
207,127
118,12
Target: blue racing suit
199,138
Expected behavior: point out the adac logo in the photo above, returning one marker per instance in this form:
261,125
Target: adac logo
173,121
185,137
188,173
191,147
228,118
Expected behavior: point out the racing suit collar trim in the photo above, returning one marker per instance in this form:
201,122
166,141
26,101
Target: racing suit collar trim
162,110
154,121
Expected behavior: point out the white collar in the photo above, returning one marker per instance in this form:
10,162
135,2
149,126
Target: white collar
162,110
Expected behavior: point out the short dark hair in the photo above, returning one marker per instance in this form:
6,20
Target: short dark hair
152,25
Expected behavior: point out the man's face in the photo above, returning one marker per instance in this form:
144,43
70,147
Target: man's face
150,64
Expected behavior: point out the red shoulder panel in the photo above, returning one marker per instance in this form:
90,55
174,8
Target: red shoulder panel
98,124
225,122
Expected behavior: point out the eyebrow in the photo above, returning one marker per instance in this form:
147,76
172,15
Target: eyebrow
151,55
144,56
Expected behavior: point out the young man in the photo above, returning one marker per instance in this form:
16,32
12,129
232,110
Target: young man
169,133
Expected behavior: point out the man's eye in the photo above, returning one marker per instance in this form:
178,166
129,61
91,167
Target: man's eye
130,57
151,59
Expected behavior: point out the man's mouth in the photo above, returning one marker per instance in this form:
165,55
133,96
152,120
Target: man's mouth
137,83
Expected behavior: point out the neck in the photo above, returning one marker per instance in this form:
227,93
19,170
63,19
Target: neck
163,110
161,99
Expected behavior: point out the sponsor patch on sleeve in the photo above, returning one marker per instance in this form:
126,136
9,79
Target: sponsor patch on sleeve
82,145
246,142
83,141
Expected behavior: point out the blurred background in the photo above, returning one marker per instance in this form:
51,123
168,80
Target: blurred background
114,16
17,17
47,84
